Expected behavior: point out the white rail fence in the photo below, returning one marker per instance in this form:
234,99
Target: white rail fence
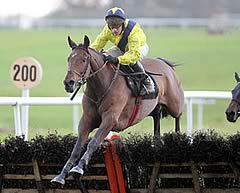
191,97
200,98
21,128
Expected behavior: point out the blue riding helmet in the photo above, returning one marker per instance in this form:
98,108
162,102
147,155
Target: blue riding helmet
115,12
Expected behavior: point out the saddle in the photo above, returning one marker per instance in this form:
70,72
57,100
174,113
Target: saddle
135,83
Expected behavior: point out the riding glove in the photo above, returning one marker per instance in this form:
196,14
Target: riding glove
111,59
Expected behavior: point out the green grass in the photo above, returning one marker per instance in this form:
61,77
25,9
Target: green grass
208,63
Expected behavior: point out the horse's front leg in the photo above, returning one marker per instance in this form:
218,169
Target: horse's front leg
109,121
84,128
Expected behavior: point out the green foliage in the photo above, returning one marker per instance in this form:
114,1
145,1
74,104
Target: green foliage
211,146
138,153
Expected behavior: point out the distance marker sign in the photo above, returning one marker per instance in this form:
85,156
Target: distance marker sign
26,72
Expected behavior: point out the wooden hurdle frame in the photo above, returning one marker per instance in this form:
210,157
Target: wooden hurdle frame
116,179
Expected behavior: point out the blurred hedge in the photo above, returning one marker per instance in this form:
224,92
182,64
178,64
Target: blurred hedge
171,148
136,152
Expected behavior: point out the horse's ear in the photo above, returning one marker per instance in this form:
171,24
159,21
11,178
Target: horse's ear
237,77
71,43
86,41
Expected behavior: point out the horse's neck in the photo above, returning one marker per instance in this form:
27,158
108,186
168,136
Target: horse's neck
98,84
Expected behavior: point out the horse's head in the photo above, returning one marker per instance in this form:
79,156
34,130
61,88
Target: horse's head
233,110
79,67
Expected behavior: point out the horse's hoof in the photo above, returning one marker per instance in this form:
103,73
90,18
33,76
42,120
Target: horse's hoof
58,180
76,170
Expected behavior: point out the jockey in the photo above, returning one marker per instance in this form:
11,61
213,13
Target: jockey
129,44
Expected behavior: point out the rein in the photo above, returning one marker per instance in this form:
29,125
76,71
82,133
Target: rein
122,73
97,71
236,101
98,102
82,80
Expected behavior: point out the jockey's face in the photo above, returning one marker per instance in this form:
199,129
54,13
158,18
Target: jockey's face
116,30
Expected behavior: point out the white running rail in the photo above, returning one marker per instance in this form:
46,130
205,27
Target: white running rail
191,97
18,102
200,98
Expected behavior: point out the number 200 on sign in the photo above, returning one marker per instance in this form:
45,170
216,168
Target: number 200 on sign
24,73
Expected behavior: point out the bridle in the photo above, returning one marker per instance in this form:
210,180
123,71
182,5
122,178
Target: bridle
83,79
236,100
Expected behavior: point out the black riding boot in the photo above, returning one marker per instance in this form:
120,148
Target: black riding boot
148,85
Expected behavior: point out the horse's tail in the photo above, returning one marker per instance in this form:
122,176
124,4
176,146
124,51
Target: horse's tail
168,62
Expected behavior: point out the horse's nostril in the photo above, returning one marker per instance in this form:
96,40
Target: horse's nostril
71,82
230,113
68,83
231,116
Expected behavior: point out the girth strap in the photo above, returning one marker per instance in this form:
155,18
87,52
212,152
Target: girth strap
135,110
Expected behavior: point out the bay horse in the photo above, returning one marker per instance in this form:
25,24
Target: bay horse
233,110
108,103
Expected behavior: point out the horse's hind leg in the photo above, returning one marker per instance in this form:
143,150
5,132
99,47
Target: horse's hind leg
156,121
156,114
177,124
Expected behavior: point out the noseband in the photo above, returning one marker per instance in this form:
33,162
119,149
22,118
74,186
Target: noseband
82,79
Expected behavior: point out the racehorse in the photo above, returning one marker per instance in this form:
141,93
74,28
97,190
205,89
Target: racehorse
233,110
108,103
